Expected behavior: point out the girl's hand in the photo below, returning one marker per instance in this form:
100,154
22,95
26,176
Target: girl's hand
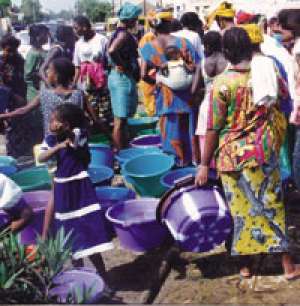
64,144
202,175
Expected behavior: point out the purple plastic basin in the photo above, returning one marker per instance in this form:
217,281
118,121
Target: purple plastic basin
146,141
111,196
136,225
82,280
38,200
197,218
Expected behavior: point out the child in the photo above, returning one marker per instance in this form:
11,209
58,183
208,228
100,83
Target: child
214,64
18,212
76,207
176,74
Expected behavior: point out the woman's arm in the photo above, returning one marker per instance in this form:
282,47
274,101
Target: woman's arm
89,109
46,155
211,144
145,73
22,110
198,87
115,46
25,218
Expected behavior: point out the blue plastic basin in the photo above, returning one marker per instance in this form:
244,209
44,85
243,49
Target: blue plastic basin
101,176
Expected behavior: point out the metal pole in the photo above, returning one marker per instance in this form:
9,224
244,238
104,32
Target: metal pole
145,7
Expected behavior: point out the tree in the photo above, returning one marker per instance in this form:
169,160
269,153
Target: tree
96,10
4,5
31,10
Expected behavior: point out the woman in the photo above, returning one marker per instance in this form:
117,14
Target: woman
248,139
146,88
39,35
289,25
13,91
124,74
177,109
90,75
64,47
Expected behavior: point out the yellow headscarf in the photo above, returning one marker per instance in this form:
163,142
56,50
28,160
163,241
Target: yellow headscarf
166,15
225,9
254,32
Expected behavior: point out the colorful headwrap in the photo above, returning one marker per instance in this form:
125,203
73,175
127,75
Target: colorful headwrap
254,32
164,15
129,11
244,17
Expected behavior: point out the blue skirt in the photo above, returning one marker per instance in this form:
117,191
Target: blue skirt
123,94
77,210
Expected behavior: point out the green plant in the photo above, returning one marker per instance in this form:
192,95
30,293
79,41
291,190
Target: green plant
25,279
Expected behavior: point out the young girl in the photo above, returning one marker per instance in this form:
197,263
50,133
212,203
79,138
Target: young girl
60,75
76,207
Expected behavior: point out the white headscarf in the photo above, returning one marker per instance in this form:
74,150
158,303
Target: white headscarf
10,192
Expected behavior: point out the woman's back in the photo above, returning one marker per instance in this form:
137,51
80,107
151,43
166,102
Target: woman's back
250,133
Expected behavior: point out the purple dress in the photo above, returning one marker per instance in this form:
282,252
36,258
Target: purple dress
75,202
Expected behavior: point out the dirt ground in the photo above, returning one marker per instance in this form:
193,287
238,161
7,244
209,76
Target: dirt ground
210,278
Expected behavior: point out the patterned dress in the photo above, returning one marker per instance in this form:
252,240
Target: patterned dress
50,100
75,202
178,117
250,138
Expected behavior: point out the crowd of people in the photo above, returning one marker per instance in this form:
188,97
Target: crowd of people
226,94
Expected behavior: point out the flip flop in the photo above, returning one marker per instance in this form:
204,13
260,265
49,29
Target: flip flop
292,276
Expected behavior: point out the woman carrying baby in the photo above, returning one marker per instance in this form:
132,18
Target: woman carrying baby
178,82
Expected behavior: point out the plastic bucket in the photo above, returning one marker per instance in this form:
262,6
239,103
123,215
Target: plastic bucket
36,178
146,171
169,179
111,196
197,218
128,154
101,176
7,161
148,132
135,125
101,155
135,224
8,170
146,141
38,201
83,280
99,138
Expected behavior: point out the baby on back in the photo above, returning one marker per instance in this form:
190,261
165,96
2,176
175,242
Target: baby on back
176,73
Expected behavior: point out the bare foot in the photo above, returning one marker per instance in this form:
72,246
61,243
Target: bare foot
245,272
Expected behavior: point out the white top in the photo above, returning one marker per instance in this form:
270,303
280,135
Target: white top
193,38
10,192
87,51
264,80
271,47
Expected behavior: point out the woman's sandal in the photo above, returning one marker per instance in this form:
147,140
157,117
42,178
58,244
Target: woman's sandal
295,275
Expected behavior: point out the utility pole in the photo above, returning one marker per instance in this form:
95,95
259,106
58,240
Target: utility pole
113,7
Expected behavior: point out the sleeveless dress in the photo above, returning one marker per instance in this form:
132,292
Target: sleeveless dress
76,206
